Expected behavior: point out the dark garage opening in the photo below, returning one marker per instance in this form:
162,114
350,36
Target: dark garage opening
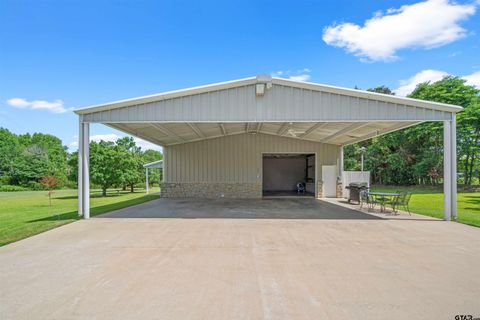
282,173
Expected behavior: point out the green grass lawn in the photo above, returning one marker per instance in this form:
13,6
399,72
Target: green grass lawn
26,213
429,202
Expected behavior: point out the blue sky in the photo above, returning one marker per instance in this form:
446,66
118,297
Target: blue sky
59,55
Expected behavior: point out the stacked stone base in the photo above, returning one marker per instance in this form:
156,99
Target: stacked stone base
339,190
210,190
319,189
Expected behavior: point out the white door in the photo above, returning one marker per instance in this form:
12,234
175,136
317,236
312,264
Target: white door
329,178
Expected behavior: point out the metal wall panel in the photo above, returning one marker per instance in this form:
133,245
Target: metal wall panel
280,103
236,158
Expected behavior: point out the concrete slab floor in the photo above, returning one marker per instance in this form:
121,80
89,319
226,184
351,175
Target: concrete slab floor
144,268
266,208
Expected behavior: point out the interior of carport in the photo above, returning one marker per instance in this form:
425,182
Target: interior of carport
282,174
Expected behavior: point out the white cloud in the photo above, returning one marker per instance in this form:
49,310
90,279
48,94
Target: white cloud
473,79
408,85
54,106
145,145
427,24
429,75
73,146
301,77
112,137
296,75
454,54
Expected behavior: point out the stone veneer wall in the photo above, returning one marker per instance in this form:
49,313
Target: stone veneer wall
210,190
339,190
319,189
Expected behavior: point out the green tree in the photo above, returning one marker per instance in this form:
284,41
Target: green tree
453,90
56,155
381,89
72,167
415,155
131,162
24,159
9,150
31,165
105,165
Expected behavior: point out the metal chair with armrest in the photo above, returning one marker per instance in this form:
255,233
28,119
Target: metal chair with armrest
402,200
367,199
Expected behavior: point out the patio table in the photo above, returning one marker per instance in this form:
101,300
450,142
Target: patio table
383,197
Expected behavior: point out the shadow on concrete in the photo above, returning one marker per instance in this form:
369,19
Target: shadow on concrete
275,208
94,211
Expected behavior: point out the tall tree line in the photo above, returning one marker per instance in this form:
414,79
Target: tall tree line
26,159
415,155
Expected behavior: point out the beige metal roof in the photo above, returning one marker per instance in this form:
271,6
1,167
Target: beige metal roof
265,105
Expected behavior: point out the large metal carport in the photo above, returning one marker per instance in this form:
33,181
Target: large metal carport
271,106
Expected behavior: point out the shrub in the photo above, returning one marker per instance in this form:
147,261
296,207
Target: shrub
71,185
10,188
35,186
4,180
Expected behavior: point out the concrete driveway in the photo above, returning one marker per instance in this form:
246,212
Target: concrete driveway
145,268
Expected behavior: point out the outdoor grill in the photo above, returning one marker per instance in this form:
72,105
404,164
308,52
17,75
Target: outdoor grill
355,189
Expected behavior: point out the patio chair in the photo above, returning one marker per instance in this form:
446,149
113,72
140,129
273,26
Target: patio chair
393,202
367,199
401,201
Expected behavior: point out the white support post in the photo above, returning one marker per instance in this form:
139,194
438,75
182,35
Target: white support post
454,166
447,170
80,169
83,170
86,170
340,173
146,179
341,163
162,173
